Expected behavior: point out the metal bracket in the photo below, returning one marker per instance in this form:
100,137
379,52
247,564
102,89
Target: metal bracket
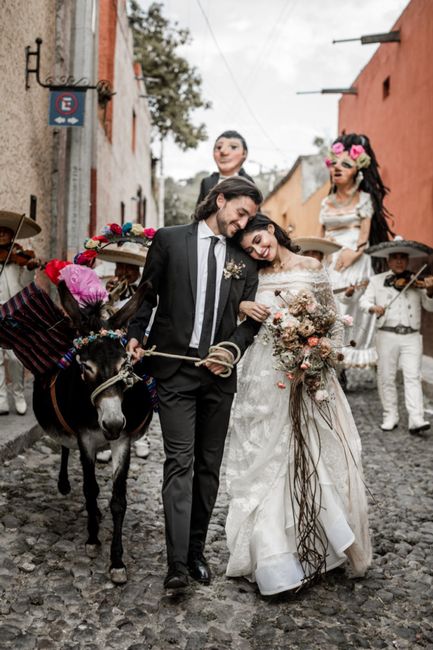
103,87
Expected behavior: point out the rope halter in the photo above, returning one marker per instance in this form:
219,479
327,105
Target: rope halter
126,374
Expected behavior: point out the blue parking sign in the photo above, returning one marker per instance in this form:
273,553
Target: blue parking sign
67,107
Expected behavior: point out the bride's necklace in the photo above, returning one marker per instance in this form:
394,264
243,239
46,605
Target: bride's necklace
280,265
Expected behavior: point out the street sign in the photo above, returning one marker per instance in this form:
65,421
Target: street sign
67,107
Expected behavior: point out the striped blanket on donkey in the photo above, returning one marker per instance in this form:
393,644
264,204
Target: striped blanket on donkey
36,329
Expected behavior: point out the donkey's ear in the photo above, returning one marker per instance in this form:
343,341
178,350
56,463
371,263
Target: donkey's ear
69,304
125,313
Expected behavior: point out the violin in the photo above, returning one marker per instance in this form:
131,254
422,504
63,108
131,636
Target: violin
19,256
401,283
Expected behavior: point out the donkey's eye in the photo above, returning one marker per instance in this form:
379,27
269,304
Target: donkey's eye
86,367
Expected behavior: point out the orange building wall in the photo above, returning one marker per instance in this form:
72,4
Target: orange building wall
400,126
287,209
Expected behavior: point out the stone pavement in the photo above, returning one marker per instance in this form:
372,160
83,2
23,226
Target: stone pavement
53,597
17,432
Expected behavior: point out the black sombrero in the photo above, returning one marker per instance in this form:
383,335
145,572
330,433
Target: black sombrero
398,245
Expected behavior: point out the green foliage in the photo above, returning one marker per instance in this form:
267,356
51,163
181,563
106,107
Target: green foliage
174,87
181,199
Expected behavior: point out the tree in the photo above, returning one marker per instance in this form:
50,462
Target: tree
173,86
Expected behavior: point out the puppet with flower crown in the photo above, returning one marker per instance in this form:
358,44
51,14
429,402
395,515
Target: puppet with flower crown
354,216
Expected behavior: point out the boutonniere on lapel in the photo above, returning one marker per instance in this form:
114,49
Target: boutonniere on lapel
233,270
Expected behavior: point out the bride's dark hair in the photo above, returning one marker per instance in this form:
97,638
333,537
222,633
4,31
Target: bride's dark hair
261,222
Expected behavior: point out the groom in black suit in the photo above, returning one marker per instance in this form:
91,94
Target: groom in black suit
198,278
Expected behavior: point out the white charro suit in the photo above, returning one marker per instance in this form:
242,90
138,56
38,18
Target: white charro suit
394,347
12,280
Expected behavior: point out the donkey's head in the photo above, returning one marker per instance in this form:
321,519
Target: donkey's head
102,357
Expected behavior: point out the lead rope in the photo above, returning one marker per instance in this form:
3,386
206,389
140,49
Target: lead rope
212,356
129,377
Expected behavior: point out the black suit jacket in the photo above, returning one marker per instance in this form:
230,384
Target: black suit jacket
210,181
171,268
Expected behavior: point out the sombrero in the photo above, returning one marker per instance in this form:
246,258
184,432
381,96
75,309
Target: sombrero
320,244
29,227
128,253
399,245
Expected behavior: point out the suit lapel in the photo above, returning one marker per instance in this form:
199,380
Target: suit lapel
191,249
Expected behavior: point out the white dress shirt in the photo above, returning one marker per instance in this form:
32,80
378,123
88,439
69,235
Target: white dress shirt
204,233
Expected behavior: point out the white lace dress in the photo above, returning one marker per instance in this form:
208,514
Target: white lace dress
343,227
261,524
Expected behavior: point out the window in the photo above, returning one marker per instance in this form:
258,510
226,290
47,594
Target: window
122,212
386,87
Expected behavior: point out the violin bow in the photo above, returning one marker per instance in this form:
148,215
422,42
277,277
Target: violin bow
12,244
400,293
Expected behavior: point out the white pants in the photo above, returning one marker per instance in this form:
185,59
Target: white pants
404,350
16,373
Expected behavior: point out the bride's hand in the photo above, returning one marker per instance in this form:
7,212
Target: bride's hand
345,259
254,310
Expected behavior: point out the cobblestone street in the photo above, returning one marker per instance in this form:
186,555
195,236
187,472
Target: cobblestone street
53,596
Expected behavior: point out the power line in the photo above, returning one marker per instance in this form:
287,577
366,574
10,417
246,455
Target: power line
235,82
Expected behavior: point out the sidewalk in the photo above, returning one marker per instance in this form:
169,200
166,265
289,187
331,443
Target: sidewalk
17,432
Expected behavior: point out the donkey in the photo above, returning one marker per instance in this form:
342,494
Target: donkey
91,403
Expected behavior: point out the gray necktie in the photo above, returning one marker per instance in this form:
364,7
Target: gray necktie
209,304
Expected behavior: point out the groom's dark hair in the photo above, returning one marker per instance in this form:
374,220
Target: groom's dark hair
231,188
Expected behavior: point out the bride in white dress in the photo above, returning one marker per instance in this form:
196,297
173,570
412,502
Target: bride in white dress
270,541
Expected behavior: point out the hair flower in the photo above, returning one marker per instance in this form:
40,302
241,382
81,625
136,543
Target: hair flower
363,161
356,150
337,148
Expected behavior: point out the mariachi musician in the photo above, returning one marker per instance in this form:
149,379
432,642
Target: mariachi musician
397,297
16,271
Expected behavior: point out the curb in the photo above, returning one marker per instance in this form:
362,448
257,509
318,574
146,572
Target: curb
20,442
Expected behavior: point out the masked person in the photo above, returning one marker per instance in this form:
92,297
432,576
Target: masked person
230,152
397,311
353,215
16,271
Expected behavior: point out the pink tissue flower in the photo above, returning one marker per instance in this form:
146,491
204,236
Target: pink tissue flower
83,283
337,148
328,162
356,150
347,320
149,233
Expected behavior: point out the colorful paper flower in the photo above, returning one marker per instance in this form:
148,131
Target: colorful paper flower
137,229
53,268
91,244
337,148
86,258
83,283
126,227
356,150
149,233
115,228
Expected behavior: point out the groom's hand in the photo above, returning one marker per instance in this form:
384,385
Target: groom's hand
212,364
134,348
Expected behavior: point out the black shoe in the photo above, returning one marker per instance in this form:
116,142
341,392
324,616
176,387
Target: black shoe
177,576
425,426
199,569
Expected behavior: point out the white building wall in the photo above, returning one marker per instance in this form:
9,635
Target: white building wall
120,171
25,137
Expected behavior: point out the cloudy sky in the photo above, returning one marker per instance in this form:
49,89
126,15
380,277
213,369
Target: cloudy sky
261,53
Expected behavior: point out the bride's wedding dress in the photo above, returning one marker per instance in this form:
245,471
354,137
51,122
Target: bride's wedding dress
262,532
